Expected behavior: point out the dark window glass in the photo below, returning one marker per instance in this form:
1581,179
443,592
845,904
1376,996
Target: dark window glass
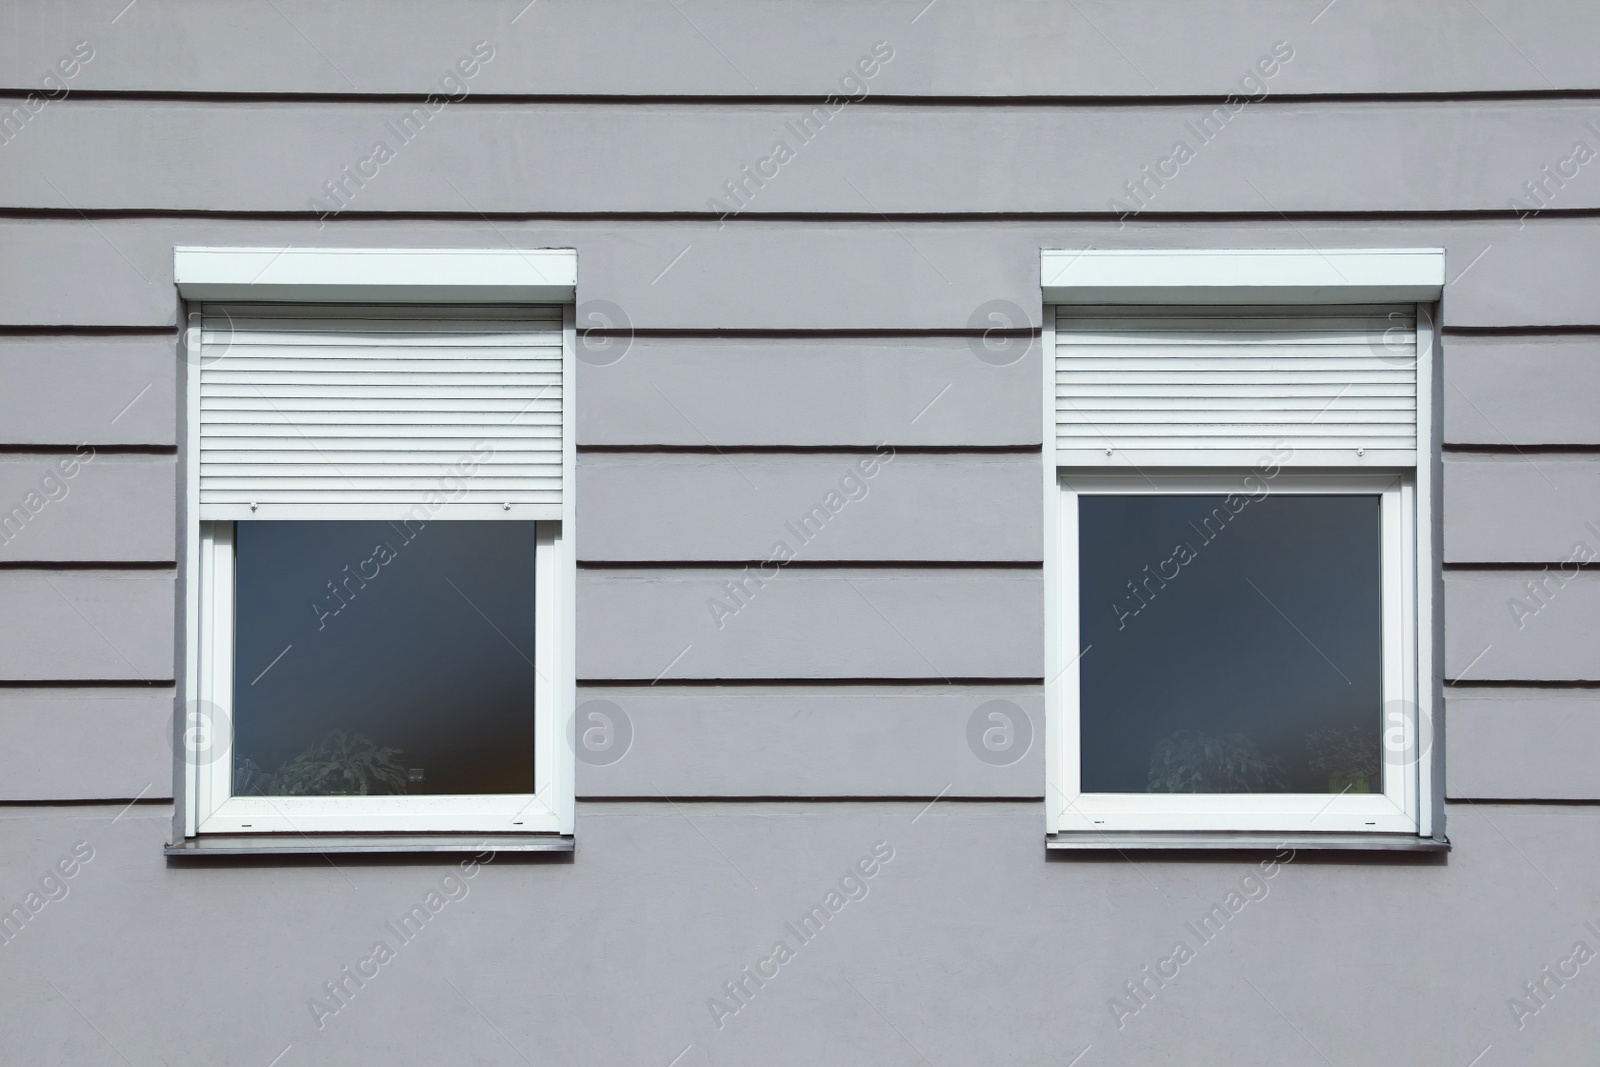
1236,644
381,658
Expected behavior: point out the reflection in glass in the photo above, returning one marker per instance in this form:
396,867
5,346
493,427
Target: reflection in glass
383,658
1236,643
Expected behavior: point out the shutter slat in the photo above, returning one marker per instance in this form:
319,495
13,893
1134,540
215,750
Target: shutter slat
1140,392
1275,402
343,314
315,421
1156,312
319,475
236,335
384,376
458,448
399,496
1200,376
1328,431
496,403
1177,360
463,397
345,458
341,467
1243,442
1170,347
326,405
1357,339
349,357
1192,383
388,433
1332,416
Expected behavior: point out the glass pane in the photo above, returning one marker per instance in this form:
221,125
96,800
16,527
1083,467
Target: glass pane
1235,649
376,658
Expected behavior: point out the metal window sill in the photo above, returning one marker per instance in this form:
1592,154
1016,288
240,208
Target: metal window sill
1211,841
370,844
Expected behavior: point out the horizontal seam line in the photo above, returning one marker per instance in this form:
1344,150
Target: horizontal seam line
46,330
100,450
779,333
1487,449
1554,802
87,683
887,100
1545,215
89,802
88,565
1569,330
1521,683
1468,566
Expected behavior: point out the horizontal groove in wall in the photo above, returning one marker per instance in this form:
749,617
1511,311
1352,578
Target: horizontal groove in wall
667,333
1519,567
812,564
1151,216
88,565
788,683
1467,451
88,683
99,450
1519,331
87,331
893,683
1526,802
1515,683
875,100
94,802
795,334
807,450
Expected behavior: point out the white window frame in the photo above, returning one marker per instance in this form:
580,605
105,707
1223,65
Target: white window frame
1406,809
368,276
220,811
1392,811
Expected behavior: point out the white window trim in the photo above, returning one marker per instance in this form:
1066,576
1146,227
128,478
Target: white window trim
366,276
1243,276
1258,277
1392,811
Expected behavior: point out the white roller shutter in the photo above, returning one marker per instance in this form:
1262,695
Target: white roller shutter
1219,385
341,411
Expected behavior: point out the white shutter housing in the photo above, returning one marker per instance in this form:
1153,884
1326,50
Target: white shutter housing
314,397
1222,358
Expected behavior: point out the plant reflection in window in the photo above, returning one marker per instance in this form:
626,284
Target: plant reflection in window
1349,757
1189,762
341,764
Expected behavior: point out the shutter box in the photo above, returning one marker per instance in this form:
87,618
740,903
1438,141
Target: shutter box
1210,386
349,411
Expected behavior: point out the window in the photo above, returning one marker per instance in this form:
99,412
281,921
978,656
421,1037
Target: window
380,569
1238,598
1247,645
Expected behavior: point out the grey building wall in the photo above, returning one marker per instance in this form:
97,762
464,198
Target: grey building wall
763,356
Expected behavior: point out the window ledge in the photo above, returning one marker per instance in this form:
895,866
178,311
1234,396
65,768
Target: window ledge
372,844
1205,840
